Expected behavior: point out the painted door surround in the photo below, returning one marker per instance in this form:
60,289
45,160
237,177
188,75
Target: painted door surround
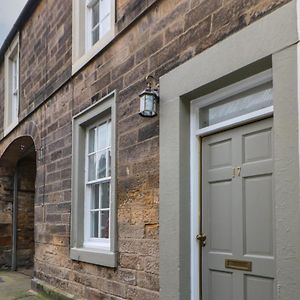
237,214
277,35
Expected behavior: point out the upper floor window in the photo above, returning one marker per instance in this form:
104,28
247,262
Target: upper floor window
93,28
11,86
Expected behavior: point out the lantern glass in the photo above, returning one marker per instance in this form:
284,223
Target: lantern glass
148,105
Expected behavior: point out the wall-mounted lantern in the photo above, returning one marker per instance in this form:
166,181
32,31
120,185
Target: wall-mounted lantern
149,98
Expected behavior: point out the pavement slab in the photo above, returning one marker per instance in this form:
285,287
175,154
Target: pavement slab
16,286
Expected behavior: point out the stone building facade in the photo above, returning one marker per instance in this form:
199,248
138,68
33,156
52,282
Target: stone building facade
150,37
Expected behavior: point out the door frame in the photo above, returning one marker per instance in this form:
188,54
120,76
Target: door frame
196,135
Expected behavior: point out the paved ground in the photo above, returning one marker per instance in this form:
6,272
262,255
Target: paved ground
15,286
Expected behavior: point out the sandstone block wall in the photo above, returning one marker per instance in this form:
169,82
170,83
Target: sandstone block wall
25,223
5,217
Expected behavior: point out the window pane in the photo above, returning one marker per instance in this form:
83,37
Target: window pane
92,135
95,35
105,187
102,136
109,133
105,7
246,102
92,167
95,14
109,162
101,166
95,224
95,196
9,114
15,74
105,26
14,107
104,224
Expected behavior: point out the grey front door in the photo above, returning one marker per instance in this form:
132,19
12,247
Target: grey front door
238,260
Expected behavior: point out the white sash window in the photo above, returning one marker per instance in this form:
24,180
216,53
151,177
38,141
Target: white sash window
94,209
11,86
93,28
98,185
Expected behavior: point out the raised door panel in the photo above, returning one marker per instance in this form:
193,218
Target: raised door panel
221,285
258,206
220,154
220,211
259,288
257,146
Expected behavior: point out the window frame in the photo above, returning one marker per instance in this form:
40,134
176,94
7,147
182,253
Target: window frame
224,94
105,256
82,53
12,56
93,242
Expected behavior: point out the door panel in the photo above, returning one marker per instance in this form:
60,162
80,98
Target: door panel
254,153
221,285
258,203
220,215
220,154
259,288
237,213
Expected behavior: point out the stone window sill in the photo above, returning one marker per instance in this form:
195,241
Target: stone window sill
91,53
95,256
10,128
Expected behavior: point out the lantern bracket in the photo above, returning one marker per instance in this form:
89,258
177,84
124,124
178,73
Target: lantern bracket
152,83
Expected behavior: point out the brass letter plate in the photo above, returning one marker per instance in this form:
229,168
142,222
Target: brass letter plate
241,265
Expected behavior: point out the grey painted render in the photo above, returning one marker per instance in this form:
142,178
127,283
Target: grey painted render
274,36
106,105
286,171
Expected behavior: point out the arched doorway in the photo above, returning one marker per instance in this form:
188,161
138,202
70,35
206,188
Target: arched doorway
17,194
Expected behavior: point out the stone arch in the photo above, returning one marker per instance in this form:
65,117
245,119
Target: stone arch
28,129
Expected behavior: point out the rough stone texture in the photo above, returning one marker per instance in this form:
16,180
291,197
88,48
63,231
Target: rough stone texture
45,52
5,217
168,33
25,229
